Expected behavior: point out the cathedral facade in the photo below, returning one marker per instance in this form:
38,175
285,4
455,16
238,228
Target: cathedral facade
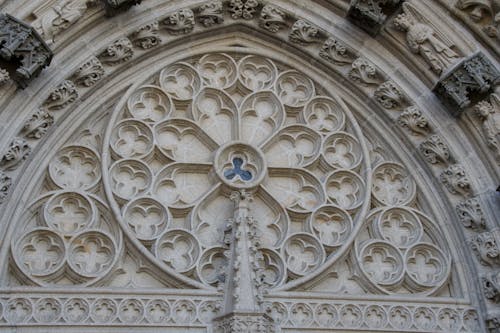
249,166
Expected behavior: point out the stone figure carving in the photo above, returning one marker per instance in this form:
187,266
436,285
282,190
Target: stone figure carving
479,10
489,114
485,245
60,17
425,39
491,286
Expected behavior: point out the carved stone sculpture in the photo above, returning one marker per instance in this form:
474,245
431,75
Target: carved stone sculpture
118,52
304,32
272,18
89,73
456,180
435,150
23,48
389,95
211,13
471,215
243,9
38,124
470,80
424,39
180,22
336,52
486,247
18,151
4,76
483,12
489,114
146,36
370,15
413,120
491,286
114,7
62,95
59,17
5,184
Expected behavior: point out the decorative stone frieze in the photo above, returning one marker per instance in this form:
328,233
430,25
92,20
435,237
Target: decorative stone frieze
469,80
370,15
114,7
22,48
244,323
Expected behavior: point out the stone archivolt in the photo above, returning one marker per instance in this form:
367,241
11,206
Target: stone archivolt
151,196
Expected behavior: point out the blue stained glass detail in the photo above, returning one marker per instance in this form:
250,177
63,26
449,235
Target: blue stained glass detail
238,171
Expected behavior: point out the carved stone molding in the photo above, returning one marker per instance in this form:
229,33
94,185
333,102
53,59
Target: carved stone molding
23,49
114,7
370,15
469,80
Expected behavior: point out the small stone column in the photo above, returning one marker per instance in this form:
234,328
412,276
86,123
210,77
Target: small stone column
242,305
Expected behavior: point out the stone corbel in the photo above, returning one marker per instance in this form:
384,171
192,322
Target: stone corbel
470,80
23,51
114,7
370,15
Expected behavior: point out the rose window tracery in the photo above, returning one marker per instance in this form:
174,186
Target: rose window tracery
201,128
177,148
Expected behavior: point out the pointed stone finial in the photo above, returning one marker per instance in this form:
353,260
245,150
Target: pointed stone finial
243,290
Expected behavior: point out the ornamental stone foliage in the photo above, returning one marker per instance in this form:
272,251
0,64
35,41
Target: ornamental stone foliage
250,166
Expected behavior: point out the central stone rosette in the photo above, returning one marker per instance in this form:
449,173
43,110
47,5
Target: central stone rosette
182,142
240,165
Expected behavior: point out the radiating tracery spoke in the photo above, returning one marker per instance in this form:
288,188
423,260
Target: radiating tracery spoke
216,125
